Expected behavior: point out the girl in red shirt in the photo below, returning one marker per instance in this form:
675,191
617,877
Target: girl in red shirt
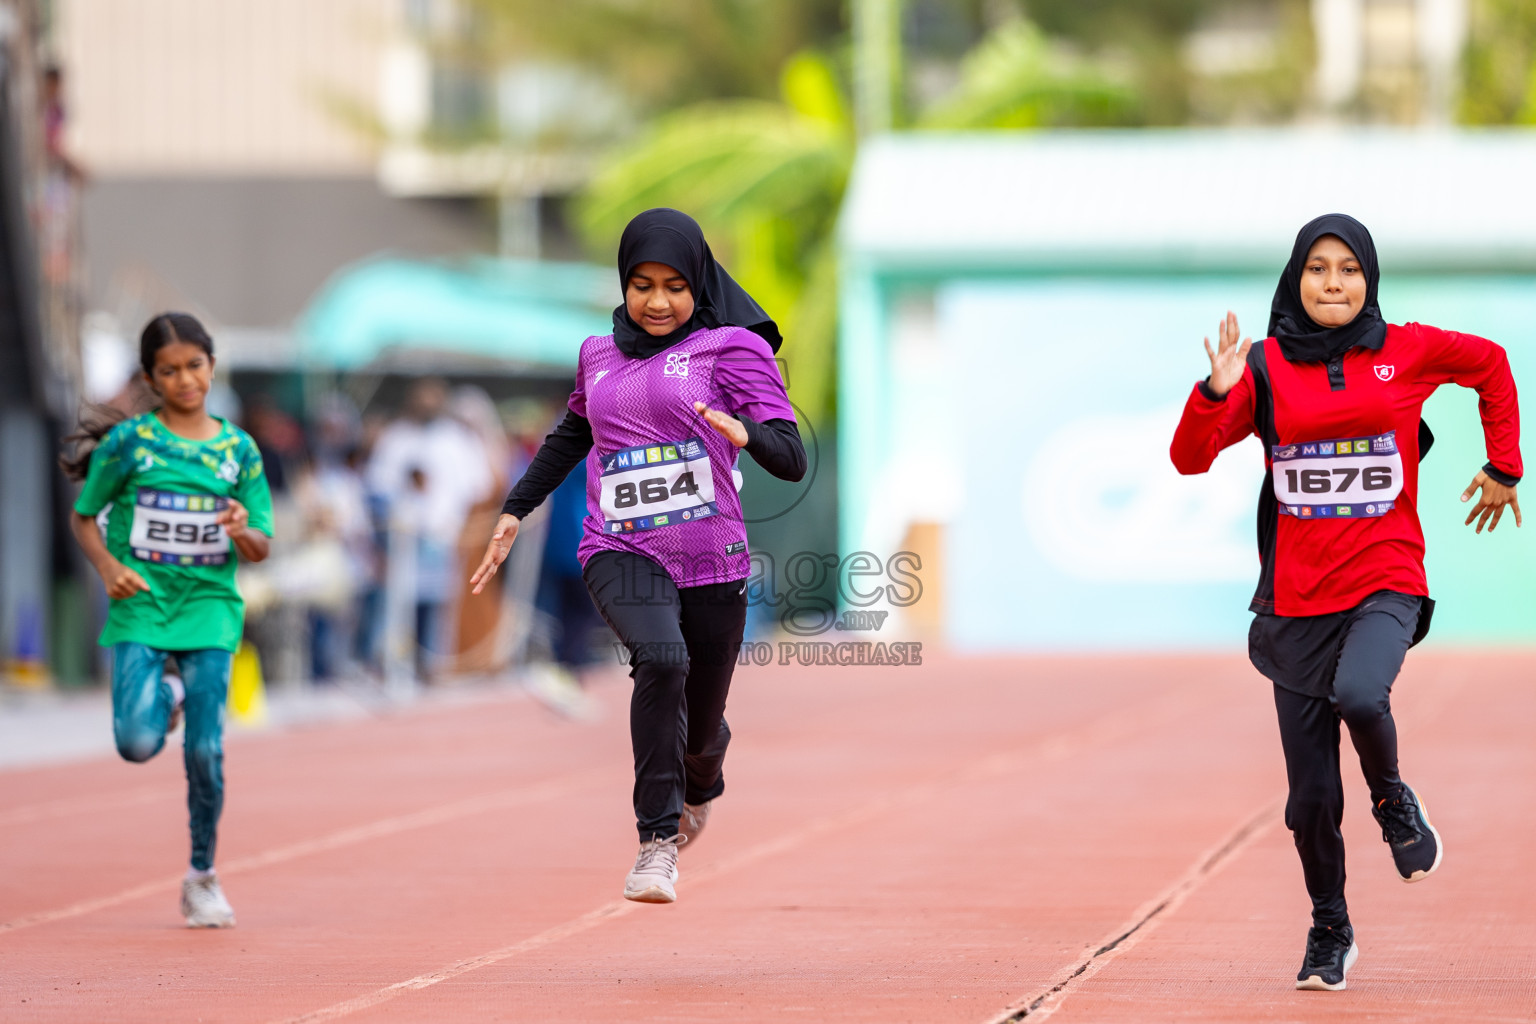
1335,393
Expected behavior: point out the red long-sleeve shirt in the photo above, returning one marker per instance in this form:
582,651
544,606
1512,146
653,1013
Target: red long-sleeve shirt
1317,559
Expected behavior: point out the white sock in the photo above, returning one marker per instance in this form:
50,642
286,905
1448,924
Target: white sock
197,874
178,688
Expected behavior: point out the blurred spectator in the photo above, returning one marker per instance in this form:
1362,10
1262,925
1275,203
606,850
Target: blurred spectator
334,504
430,470
55,119
278,437
479,622
567,625
62,181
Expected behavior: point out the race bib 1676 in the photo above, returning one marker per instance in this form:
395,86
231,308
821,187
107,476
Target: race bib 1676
178,529
655,485
1350,478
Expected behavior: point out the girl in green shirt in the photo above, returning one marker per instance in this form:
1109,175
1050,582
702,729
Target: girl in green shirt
186,493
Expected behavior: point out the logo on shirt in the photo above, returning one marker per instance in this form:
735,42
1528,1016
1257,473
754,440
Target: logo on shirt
677,365
229,470
1385,372
600,375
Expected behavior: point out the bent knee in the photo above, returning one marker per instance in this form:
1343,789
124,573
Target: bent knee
662,659
1361,710
138,747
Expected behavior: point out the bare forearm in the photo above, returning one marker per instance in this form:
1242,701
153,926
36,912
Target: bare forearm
253,545
88,536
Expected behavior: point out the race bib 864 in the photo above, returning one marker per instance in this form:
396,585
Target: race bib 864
656,485
1357,477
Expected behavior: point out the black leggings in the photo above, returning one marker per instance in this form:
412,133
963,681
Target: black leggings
1328,669
683,643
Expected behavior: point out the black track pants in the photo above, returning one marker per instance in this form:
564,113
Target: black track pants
683,644
1364,650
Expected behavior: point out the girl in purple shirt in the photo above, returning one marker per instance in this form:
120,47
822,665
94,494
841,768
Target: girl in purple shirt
660,411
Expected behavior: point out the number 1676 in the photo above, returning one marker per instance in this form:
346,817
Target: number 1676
1320,481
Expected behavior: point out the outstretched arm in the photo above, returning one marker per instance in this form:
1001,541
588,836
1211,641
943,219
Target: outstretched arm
562,450
1219,410
1478,363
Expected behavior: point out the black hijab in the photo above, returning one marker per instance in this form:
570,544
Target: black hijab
1302,339
674,238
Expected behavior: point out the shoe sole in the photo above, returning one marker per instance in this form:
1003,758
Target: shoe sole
210,924
1313,983
655,894
1419,876
186,913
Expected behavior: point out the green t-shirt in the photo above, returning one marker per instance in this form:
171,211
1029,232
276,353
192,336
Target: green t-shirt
165,492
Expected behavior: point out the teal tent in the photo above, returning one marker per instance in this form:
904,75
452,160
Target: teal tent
392,312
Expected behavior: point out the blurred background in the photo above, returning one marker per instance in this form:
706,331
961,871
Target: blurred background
994,232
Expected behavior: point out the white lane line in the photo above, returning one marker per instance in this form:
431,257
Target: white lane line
1041,1005
1046,748
321,844
26,814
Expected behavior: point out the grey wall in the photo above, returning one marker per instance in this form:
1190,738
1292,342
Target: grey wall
250,252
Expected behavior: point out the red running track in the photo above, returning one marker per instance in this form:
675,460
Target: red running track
955,842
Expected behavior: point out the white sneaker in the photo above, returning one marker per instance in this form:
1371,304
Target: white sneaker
655,871
560,691
203,903
693,819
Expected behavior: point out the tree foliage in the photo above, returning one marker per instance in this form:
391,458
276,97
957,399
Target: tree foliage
1499,69
766,179
1016,78
661,55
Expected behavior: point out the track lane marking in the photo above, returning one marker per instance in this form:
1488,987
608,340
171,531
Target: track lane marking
498,800
26,814
1043,1003
1139,718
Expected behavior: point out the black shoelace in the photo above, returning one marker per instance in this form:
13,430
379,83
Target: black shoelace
1399,822
1323,948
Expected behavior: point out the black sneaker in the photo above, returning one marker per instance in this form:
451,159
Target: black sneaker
1331,952
1405,826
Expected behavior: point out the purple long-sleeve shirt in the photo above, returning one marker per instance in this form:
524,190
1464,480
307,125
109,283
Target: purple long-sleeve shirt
659,478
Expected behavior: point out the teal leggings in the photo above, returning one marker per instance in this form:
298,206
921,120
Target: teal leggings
141,710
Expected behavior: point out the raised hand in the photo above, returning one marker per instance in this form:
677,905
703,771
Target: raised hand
1228,358
495,552
726,425
1492,503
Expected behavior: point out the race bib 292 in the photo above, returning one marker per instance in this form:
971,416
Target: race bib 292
178,529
